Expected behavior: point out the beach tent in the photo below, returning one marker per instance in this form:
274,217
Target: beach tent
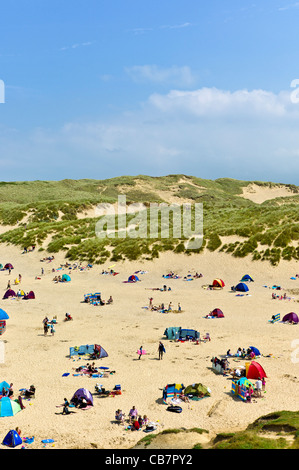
12,439
291,317
99,349
185,333
217,313
83,393
29,296
255,371
88,349
171,389
3,385
1,266
3,315
66,278
133,278
241,287
247,278
218,283
9,293
8,407
245,382
8,266
255,350
197,389
171,332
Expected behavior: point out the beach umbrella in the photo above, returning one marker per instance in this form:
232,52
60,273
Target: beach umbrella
8,407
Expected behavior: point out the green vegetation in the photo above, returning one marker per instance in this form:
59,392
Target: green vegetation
279,430
282,430
60,216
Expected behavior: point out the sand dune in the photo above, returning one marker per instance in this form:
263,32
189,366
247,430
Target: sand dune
260,194
121,328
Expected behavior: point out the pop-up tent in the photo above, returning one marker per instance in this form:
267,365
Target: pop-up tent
181,333
241,287
133,278
88,349
247,278
29,296
65,278
3,385
12,439
9,293
8,407
218,283
3,315
255,350
217,313
171,332
83,393
8,266
291,317
255,371
197,390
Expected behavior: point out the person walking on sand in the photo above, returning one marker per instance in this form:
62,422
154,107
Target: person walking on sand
161,350
140,352
150,303
52,329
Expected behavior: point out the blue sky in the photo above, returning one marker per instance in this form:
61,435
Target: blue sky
103,88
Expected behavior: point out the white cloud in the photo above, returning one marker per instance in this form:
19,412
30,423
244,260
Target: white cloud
179,76
289,7
207,132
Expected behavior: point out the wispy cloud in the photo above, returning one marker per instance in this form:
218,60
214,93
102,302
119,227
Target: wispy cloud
76,45
291,6
179,76
176,26
167,26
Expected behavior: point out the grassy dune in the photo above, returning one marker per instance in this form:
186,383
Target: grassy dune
50,215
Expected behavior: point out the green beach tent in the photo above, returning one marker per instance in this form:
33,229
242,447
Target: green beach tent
197,390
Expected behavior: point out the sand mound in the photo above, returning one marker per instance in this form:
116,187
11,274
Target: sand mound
260,194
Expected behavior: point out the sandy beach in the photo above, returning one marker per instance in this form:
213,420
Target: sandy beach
122,327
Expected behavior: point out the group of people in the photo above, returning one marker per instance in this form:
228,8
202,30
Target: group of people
7,392
49,325
242,353
135,420
161,307
256,392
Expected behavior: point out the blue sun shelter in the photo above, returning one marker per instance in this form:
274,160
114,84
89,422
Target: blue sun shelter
66,278
12,439
242,287
247,278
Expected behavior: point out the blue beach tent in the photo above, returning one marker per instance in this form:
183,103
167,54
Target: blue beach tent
3,315
247,278
241,287
12,439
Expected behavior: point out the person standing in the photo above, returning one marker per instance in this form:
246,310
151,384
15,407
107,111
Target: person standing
161,350
140,352
258,386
